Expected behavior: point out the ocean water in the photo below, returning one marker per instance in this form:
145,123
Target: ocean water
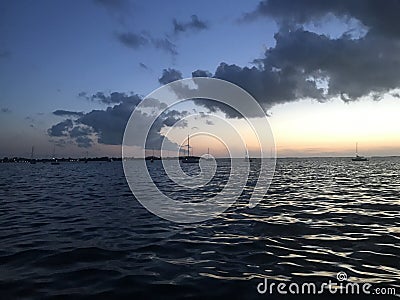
75,231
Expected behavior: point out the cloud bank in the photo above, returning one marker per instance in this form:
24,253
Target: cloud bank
107,126
135,41
305,64
169,75
195,24
67,113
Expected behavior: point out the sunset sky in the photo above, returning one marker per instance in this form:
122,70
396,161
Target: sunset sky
326,72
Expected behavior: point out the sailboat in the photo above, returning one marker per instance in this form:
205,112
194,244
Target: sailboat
246,156
190,158
152,158
208,157
32,161
54,159
359,157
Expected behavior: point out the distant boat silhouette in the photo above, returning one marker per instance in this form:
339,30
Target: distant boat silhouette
246,156
359,157
208,157
54,159
152,158
32,160
190,158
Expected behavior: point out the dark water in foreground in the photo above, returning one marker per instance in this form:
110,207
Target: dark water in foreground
75,231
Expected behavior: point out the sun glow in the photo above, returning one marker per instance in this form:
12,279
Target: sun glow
309,128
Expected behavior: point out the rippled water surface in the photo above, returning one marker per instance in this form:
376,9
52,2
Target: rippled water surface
75,231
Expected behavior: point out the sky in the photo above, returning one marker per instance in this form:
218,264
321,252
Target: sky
327,73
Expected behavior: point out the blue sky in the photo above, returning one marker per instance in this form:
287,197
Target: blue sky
51,51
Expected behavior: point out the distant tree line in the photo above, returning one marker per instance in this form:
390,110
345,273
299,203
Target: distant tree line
44,160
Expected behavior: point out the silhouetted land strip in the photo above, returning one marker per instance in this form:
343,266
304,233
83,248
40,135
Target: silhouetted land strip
64,160
110,159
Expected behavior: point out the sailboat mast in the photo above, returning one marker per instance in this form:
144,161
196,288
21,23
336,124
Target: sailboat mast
357,148
188,145
32,153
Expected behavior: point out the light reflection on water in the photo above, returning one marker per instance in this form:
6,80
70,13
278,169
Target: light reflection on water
76,229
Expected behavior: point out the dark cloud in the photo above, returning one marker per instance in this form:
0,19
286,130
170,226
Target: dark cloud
143,66
169,75
61,112
171,121
78,131
172,117
84,95
151,102
112,98
396,95
100,97
108,125
201,73
134,40
205,116
5,110
166,45
213,106
195,24
352,67
84,142
381,17
305,64
60,129
117,97
81,135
